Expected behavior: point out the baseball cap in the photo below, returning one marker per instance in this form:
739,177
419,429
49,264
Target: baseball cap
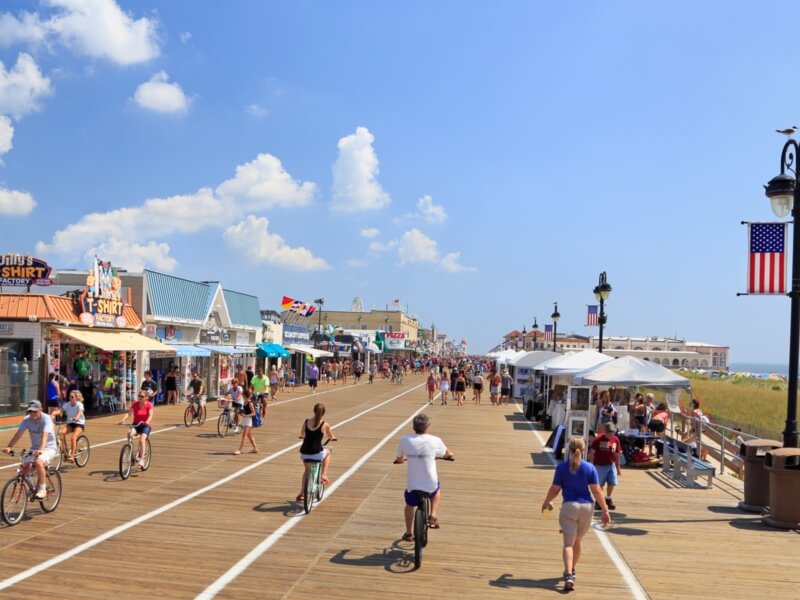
33,406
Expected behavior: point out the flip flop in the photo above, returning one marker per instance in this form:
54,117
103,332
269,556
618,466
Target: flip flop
408,537
299,498
433,522
253,451
237,453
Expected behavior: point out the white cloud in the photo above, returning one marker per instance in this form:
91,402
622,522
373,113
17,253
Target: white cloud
450,263
6,136
432,213
159,95
382,246
252,238
96,28
101,29
356,263
156,217
264,183
134,256
22,87
15,204
185,37
369,232
355,187
256,110
415,247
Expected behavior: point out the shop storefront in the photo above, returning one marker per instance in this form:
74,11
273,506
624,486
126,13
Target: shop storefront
297,339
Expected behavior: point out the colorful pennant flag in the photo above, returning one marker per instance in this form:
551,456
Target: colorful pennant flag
297,306
591,316
766,269
548,332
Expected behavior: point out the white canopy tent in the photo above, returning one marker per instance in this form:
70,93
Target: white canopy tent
630,371
533,359
570,364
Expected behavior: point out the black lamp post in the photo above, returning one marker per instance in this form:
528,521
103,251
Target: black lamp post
524,333
321,303
784,195
601,292
555,316
535,330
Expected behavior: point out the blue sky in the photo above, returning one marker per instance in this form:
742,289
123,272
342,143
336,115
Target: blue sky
476,160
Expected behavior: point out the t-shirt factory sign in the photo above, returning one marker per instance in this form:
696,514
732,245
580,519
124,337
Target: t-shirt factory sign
100,302
23,270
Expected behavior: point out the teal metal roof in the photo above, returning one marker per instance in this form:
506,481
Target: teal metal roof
243,309
175,297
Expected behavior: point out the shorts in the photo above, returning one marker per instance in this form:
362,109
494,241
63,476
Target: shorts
412,500
201,400
45,456
53,403
607,474
142,428
312,383
246,421
460,387
575,519
445,387
478,387
641,420
73,426
656,426
318,457
505,391
493,389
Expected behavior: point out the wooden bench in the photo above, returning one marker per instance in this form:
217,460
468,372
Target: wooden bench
678,458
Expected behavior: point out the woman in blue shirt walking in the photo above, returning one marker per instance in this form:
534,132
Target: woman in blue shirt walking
577,481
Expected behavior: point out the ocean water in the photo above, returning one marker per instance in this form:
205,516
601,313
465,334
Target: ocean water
765,368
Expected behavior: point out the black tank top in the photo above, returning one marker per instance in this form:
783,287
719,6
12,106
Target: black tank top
312,442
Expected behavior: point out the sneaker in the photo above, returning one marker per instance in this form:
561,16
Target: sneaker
610,504
235,429
41,493
569,583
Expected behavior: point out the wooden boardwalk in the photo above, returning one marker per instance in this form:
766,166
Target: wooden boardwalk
195,528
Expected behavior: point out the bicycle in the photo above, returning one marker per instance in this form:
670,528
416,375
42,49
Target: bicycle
83,449
421,518
225,422
313,488
22,488
194,411
399,378
126,454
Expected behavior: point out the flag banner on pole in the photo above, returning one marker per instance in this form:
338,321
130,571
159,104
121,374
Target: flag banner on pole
766,267
297,306
591,316
548,332
395,302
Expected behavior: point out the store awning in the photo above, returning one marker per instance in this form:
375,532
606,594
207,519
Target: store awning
189,350
114,340
272,351
315,352
229,350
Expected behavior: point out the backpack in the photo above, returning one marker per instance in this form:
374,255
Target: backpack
258,420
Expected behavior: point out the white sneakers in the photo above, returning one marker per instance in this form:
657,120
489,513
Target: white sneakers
235,429
41,493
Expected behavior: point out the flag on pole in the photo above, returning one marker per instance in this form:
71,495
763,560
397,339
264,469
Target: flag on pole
766,269
548,332
591,316
298,307
395,302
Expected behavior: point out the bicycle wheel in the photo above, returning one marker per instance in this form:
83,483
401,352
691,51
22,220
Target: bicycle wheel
58,459
308,490
188,415
147,455
223,425
14,501
82,451
53,484
420,528
125,460
320,485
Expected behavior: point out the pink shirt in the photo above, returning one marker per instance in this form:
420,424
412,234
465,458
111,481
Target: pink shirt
140,412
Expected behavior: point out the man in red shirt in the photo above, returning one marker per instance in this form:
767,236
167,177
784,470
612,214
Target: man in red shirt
605,452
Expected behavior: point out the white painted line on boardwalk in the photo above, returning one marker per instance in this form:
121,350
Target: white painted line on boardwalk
51,562
241,566
627,574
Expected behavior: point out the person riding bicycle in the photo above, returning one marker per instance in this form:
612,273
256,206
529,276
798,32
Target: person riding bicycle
260,383
312,449
421,449
142,413
196,391
43,443
75,420
235,392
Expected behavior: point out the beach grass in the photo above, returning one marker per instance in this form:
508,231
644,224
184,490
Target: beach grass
757,406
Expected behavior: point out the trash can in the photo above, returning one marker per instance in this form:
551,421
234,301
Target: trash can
756,478
783,466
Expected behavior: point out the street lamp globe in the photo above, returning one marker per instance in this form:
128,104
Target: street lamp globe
556,315
780,191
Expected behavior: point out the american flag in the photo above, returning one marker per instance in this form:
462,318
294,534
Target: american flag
766,269
548,332
591,316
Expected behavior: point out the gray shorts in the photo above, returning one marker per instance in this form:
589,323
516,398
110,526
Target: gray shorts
575,519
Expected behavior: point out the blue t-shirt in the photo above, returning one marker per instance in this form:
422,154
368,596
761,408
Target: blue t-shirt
575,486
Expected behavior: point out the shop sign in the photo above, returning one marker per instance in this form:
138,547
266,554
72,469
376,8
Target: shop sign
214,336
242,338
151,331
100,301
295,334
24,270
6,329
395,340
